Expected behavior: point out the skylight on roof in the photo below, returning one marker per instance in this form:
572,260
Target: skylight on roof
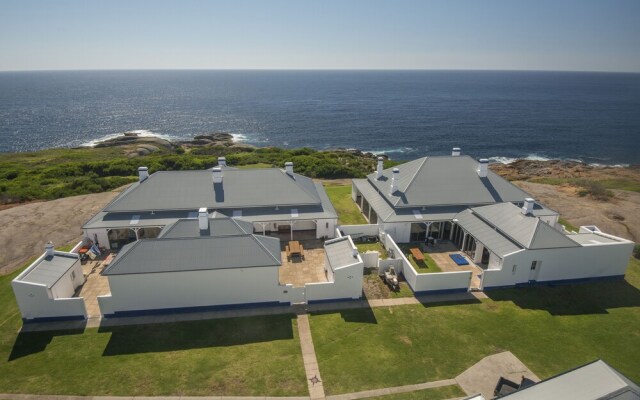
192,215
134,220
294,213
237,213
417,214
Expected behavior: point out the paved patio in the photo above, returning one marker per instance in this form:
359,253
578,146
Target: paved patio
298,272
96,285
440,254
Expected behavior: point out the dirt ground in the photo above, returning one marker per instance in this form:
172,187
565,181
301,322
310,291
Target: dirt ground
26,228
619,216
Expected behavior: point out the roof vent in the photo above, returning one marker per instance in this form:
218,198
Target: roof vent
217,174
394,181
483,165
143,173
527,208
288,166
380,167
49,249
455,152
203,219
222,161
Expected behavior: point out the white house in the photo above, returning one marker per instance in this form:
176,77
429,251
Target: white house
276,201
45,289
514,239
216,261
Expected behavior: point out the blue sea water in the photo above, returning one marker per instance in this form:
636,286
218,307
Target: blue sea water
592,117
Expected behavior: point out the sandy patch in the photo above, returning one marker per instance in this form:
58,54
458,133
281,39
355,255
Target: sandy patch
618,216
26,228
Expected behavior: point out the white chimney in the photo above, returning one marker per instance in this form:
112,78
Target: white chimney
143,173
354,252
455,152
394,181
527,208
203,219
222,161
288,166
49,250
217,174
483,165
380,167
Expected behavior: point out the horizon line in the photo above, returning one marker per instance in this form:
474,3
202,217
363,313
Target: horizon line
319,70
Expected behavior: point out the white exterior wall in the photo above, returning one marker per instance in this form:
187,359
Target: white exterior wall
326,227
399,231
347,284
354,192
550,219
585,262
66,287
184,289
370,259
103,239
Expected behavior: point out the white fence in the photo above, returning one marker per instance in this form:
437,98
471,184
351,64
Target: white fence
432,282
370,259
355,230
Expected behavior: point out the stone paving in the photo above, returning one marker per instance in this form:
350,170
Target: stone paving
311,368
440,254
298,272
96,285
483,376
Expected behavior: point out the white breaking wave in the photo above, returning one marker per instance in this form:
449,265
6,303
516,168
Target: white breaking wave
535,157
139,132
387,151
239,137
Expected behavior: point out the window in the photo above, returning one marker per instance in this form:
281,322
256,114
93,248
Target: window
73,276
533,265
513,270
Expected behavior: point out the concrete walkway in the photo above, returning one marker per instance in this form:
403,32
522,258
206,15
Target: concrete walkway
316,387
483,376
392,390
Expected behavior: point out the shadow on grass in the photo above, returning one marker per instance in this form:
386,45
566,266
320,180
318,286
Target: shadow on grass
153,338
28,343
587,298
444,300
362,315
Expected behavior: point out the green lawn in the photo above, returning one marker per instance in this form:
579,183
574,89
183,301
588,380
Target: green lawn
568,225
348,212
377,246
243,356
551,329
422,267
440,393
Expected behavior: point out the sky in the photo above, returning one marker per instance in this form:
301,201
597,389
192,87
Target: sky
574,35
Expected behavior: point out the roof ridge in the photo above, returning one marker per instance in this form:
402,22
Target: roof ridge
265,248
235,222
413,178
314,196
118,260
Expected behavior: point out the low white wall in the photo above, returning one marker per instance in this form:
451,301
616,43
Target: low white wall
77,247
369,229
443,281
34,301
347,284
384,265
186,289
370,259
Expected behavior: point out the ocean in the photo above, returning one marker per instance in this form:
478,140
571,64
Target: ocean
591,117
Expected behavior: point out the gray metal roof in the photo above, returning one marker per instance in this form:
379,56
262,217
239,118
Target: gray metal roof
339,253
386,213
190,190
445,180
528,231
485,234
196,254
50,269
594,381
219,225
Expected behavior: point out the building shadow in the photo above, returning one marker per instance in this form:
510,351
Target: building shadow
356,311
586,298
187,335
445,300
32,342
